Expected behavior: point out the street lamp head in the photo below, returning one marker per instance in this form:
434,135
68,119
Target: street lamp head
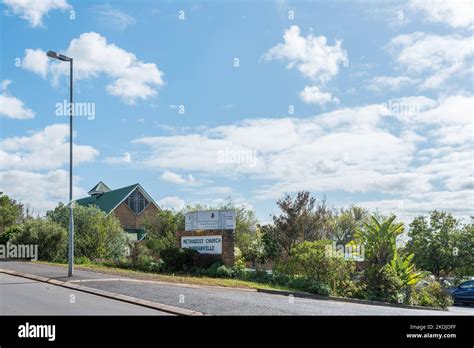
55,55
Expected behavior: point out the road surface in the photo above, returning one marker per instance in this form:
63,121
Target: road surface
20,296
219,301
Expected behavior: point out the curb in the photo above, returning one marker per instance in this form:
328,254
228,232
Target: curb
107,294
346,299
131,278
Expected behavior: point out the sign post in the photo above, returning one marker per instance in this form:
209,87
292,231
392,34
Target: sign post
210,232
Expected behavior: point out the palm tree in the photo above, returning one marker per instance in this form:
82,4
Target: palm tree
379,239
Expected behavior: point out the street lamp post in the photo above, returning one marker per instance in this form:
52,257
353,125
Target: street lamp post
64,58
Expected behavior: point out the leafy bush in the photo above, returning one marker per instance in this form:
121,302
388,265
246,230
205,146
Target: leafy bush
350,288
140,257
49,236
97,235
177,260
157,266
311,260
309,285
224,272
204,260
405,269
8,233
82,260
383,284
431,295
161,229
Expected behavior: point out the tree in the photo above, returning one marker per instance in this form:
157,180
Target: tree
97,235
441,245
50,237
272,249
161,230
347,221
295,222
253,247
379,239
11,213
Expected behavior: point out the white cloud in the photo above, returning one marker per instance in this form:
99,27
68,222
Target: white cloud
380,83
12,107
455,13
94,57
39,191
125,159
171,202
178,179
34,10
36,61
43,150
433,58
113,17
313,95
310,55
349,150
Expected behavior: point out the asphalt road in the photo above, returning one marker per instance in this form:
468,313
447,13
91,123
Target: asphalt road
221,301
20,296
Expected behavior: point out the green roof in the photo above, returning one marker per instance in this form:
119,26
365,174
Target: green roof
100,187
107,201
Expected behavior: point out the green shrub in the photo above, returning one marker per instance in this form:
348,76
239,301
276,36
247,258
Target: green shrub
383,284
50,237
82,260
224,272
212,271
309,285
204,260
8,233
157,266
178,260
140,257
431,295
161,228
350,288
311,260
97,235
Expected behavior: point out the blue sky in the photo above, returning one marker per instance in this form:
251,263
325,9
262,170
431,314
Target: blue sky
364,103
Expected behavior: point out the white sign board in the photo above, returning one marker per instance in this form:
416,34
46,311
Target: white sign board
203,244
210,220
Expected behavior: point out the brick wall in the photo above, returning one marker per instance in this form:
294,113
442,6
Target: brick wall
128,219
227,256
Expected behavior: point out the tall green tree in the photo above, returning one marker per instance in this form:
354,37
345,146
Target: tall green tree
161,230
296,221
50,237
441,245
97,235
347,222
11,212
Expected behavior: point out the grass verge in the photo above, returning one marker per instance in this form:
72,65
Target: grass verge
170,278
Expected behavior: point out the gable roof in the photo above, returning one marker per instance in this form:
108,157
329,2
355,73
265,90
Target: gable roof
109,200
99,188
